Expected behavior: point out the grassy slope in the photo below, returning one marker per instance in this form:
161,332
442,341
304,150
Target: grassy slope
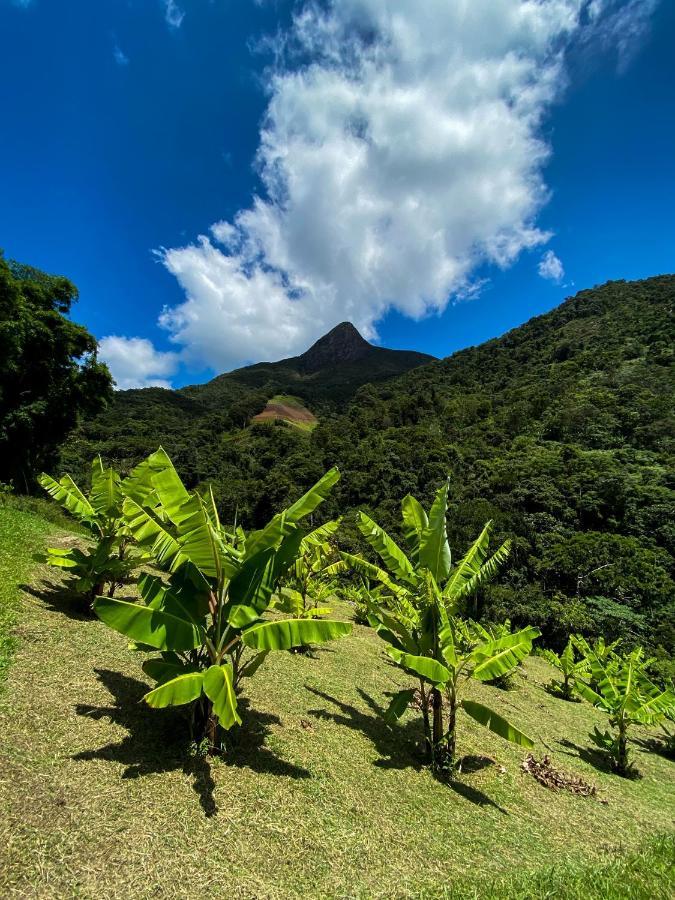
22,533
319,798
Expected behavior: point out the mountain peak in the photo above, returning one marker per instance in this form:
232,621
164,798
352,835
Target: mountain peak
342,344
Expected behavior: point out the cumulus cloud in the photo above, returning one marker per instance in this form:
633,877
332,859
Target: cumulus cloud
401,153
173,14
550,267
134,362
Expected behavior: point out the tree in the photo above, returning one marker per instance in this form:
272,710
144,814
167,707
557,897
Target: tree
49,375
207,621
424,633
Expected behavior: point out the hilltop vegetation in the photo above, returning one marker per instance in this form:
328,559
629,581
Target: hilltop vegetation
561,431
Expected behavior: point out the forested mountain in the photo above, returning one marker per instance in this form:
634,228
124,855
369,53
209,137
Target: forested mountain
561,431
189,420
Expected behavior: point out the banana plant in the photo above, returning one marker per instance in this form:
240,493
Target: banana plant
623,691
475,632
207,619
569,667
422,628
110,560
310,581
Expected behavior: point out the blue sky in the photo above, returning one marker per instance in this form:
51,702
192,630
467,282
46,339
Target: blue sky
437,178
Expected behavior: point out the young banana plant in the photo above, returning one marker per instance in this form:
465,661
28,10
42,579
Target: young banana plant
207,621
623,691
110,560
569,667
424,634
310,582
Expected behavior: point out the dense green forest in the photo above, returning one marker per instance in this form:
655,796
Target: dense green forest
561,431
49,372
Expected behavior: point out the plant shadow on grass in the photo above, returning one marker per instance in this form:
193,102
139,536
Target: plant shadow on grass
60,597
597,759
658,745
399,746
157,740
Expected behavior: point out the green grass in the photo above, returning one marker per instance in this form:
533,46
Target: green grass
317,797
22,533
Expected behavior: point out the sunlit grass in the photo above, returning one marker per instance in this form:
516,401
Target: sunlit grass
317,796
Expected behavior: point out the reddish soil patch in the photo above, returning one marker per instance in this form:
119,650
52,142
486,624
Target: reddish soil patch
282,411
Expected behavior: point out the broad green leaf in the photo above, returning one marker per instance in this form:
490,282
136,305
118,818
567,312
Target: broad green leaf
257,578
446,639
399,703
68,494
415,521
184,600
318,536
239,616
586,691
177,692
138,484
168,485
499,657
148,626
391,623
106,493
219,688
286,633
424,666
63,559
164,670
567,659
386,548
283,523
154,534
434,552
475,569
384,633
201,542
496,723
363,567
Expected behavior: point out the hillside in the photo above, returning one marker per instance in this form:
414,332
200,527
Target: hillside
325,795
325,377
561,431
289,410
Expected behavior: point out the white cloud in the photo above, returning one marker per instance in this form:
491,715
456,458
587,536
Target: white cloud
550,267
134,362
120,56
619,27
173,14
401,150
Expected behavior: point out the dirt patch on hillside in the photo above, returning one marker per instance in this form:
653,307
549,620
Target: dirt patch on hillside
285,411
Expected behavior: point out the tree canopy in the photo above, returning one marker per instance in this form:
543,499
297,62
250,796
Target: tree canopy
49,375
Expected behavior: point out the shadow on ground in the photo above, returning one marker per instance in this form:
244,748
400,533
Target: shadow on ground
59,597
157,740
399,746
596,758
